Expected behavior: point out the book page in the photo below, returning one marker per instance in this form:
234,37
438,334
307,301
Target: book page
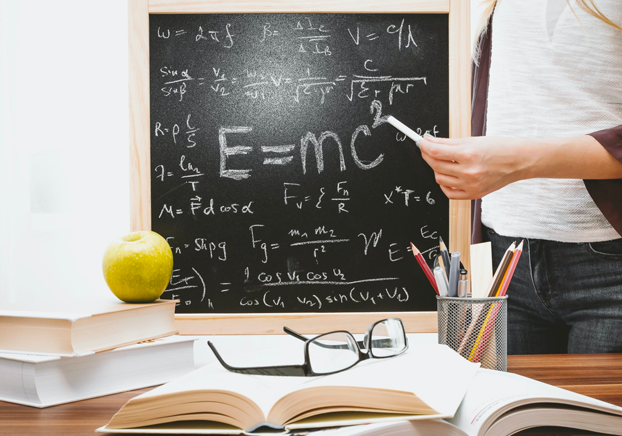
527,417
431,427
493,393
262,390
437,375
434,373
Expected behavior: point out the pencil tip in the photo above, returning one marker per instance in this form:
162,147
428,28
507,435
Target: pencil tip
415,250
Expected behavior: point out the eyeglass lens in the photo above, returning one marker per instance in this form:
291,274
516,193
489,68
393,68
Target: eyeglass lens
388,338
332,352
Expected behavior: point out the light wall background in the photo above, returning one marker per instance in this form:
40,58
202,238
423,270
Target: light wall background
64,147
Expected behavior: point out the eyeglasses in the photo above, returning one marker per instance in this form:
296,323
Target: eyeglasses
336,351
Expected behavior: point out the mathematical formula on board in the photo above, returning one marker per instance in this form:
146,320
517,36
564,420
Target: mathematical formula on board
275,177
308,36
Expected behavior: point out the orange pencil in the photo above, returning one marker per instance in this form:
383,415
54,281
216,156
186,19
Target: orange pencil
483,316
484,335
486,330
506,281
501,269
424,266
505,276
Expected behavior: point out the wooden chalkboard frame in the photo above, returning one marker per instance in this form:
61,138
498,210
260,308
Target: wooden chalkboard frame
140,179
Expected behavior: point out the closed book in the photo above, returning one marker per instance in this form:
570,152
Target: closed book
42,381
426,382
78,327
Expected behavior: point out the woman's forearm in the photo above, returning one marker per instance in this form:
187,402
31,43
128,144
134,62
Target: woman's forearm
467,168
579,157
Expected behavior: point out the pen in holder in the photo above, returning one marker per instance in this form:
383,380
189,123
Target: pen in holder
476,328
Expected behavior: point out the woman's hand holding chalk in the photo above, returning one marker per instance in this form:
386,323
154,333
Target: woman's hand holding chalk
404,129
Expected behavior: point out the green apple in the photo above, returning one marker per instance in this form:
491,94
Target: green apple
138,267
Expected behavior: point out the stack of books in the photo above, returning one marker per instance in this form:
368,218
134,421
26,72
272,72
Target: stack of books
62,351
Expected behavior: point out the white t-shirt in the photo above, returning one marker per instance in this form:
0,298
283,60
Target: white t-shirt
553,74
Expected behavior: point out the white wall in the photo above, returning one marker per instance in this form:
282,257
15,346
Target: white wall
64,154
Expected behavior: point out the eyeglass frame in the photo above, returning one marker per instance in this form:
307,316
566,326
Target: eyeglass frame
305,370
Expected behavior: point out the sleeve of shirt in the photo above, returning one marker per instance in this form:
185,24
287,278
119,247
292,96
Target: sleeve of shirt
611,139
607,194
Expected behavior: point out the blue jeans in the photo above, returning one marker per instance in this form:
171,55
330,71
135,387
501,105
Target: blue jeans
564,297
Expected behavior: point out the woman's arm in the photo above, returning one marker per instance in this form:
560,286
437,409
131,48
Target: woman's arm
470,168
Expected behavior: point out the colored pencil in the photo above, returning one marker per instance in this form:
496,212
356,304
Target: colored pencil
495,290
477,312
492,314
482,316
439,262
503,266
477,349
445,254
506,283
484,334
424,266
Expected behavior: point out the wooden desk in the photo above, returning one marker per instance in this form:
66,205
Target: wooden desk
599,376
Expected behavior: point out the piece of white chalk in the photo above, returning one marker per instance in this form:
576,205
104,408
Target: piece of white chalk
404,129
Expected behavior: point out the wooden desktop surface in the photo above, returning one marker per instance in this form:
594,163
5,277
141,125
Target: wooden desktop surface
599,376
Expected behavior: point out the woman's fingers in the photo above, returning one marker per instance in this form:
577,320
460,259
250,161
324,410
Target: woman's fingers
452,186
446,180
445,173
446,167
469,167
446,141
455,194
442,166
440,151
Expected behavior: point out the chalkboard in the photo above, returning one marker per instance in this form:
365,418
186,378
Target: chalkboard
274,175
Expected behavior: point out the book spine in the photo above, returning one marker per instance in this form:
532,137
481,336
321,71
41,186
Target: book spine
17,382
100,374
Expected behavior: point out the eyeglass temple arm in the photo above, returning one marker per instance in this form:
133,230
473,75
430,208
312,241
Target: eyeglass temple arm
361,344
296,335
283,370
302,338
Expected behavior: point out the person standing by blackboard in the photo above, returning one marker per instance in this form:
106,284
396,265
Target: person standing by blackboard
548,97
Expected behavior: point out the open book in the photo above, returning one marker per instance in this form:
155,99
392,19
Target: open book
427,382
502,404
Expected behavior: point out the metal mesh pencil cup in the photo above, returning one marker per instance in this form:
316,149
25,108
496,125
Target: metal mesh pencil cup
476,328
